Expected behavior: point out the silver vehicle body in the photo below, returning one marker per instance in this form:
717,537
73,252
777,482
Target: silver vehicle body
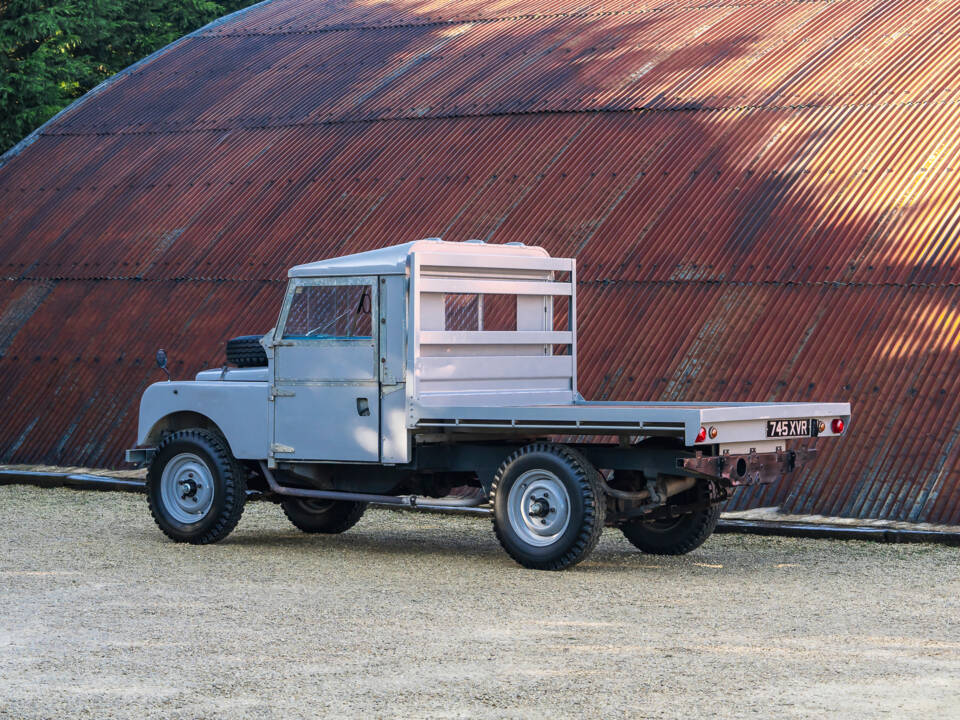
415,380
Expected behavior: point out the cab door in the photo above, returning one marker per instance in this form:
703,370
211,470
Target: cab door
326,382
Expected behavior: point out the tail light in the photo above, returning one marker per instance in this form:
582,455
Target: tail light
702,435
837,426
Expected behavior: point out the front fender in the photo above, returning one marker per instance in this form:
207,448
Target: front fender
239,409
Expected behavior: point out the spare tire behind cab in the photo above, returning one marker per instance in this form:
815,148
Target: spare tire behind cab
246,351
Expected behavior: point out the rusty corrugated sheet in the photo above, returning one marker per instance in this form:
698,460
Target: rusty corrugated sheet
762,198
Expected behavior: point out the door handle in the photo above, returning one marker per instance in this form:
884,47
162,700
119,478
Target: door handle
363,407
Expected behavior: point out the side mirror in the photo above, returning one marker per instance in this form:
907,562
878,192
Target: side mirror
162,361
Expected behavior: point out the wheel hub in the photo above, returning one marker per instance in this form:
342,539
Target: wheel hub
538,507
189,488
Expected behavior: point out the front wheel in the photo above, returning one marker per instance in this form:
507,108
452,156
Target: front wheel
548,507
676,535
196,489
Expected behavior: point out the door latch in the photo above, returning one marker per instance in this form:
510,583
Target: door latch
363,407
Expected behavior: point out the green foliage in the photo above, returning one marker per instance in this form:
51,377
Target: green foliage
53,52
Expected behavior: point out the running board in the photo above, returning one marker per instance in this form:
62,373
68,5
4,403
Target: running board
411,502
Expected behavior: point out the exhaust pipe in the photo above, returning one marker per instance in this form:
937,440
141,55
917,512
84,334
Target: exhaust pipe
671,487
414,502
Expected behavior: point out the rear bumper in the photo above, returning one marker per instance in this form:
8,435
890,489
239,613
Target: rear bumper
751,469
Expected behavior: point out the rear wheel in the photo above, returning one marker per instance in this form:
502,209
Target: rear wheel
323,516
676,535
196,490
548,508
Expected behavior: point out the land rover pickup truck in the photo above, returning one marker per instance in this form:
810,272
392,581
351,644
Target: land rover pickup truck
442,375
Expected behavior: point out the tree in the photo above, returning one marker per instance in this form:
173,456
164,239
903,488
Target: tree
53,52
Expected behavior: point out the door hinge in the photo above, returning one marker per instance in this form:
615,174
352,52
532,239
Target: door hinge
274,393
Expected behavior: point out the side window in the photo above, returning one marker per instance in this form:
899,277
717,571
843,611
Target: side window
329,312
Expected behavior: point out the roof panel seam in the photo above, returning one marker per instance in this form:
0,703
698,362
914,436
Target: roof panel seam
690,106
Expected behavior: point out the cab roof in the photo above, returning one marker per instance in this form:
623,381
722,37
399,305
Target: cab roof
393,260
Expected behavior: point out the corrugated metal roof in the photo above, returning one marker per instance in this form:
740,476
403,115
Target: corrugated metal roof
762,197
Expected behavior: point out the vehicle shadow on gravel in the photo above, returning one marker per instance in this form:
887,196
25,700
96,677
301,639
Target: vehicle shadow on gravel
381,543
472,548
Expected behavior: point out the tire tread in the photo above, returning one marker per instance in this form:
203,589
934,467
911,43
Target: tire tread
246,351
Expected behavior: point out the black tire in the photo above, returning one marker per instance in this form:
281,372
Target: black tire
246,351
680,535
228,488
587,507
323,516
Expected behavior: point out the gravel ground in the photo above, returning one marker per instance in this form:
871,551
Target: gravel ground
415,615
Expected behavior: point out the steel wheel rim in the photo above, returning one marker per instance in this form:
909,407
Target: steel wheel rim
538,507
186,488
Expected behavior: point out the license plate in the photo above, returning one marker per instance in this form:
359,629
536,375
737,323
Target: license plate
788,428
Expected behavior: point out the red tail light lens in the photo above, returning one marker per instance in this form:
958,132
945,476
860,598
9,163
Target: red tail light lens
837,426
702,435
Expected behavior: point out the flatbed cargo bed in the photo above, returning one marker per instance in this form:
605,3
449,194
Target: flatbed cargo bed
735,422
